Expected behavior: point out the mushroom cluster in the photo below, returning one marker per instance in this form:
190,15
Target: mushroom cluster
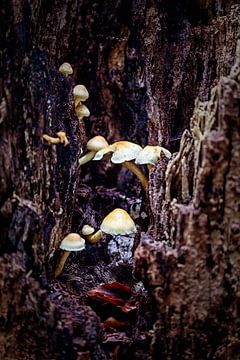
124,152
130,155
117,222
80,95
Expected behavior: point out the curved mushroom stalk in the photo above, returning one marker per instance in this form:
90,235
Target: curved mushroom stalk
61,263
87,157
123,153
138,172
94,238
71,242
93,145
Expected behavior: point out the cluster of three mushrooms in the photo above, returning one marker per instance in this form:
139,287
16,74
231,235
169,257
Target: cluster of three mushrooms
123,153
80,93
117,222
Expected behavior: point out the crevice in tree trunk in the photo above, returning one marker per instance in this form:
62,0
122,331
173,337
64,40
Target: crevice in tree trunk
152,69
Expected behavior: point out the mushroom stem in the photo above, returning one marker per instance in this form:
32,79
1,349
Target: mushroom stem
63,138
87,157
149,166
61,263
95,237
51,139
138,172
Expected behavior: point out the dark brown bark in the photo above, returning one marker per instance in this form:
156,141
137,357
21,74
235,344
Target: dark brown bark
194,279
144,64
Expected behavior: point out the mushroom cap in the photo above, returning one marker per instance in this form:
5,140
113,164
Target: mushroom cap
87,230
118,222
73,242
82,111
80,92
122,151
66,69
151,154
97,143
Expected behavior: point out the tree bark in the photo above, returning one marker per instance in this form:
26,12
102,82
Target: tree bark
145,64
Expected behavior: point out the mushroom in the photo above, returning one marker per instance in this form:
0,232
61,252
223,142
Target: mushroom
123,153
61,139
80,93
66,69
72,242
87,230
82,111
117,222
93,145
150,155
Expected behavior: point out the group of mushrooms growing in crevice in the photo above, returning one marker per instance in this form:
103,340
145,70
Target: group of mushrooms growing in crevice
126,153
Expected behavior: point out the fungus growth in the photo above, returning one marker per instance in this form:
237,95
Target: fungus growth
82,111
60,139
80,94
93,145
149,155
72,242
123,153
87,230
66,69
117,222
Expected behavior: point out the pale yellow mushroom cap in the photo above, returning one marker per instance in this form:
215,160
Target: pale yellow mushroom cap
151,154
66,69
87,230
82,111
80,92
97,143
73,242
100,154
118,222
122,151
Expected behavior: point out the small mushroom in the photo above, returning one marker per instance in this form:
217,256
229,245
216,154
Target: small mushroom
72,242
87,230
117,222
80,93
150,155
82,111
93,145
66,69
123,153
61,139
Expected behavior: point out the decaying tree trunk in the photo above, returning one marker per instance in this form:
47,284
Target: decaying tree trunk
193,275
145,64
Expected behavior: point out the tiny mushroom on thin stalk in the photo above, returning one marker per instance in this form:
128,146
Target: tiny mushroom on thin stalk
123,153
72,242
93,145
87,230
80,94
150,155
66,69
61,139
82,111
117,222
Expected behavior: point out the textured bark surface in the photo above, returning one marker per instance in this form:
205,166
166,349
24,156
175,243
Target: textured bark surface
193,275
144,64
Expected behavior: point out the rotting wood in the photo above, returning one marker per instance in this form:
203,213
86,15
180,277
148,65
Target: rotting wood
143,63
194,279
